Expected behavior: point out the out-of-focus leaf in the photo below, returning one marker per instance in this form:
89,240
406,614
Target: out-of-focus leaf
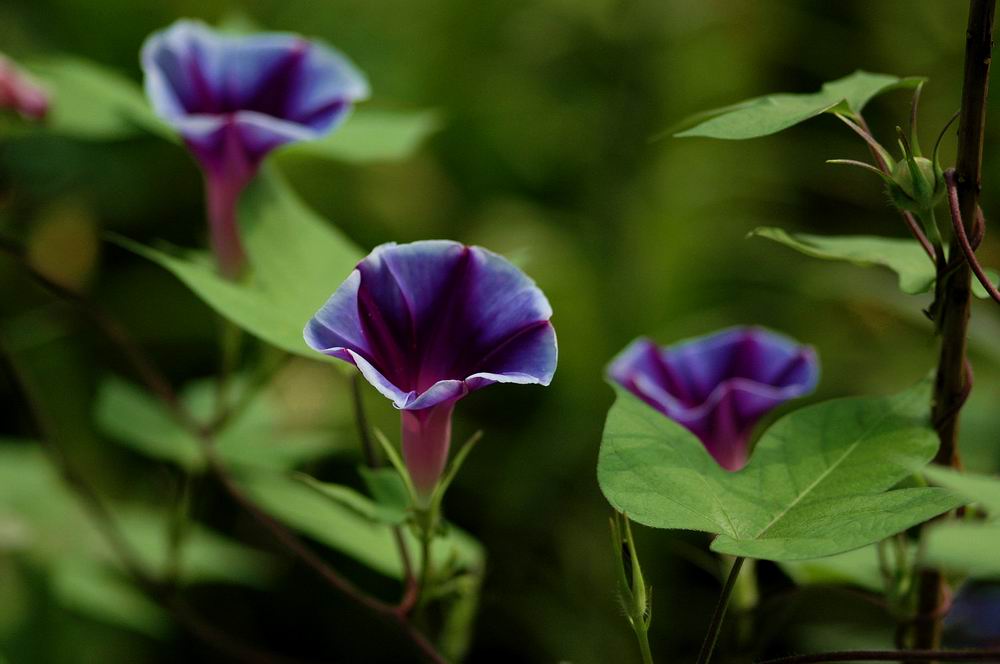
968,548
100,592
361,504
90,101
770,114
93,102
206,556
345,528
856,568
389,492
131,417
255,436
981,489
977,288
57,529
903,256
297,261
373,135
817,484
964,548
460,616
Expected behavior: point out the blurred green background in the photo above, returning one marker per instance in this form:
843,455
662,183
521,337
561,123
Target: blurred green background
548,152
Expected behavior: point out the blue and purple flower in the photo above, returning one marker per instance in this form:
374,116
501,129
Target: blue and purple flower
428,322
235,98
719,386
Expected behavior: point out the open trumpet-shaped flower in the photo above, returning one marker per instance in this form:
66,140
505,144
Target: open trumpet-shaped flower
428,322
719,386
235,98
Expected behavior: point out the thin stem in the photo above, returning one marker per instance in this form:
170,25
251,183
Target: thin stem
143,367
985,655
287,539
153,378
307,556
712,636
861,128
425,567
266,370
129,559
411,586
179,526
368,448
230,340
642,636
963,239
953,292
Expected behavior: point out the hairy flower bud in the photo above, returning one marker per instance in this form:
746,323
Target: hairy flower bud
917,184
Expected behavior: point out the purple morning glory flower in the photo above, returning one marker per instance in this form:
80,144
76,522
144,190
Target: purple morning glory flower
973,620
236,98
428,322
718,386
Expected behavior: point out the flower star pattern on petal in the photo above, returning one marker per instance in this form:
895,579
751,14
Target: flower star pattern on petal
428,322
719,386
235,98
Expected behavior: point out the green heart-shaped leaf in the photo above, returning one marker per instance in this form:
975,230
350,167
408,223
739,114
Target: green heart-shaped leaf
817,483
762,116
297,260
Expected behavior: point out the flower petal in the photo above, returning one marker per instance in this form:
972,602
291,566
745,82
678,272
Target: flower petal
271,88
720,385
438,319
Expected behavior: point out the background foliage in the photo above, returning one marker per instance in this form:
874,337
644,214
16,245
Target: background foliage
548,108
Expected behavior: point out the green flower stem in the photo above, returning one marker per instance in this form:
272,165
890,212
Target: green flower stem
746,595
426,522
230,340
178,527
929,221
712,636
642,636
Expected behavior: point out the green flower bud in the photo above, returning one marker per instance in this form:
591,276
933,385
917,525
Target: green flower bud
916,184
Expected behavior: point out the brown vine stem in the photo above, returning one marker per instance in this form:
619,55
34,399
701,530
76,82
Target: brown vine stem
964,242
148,372
953,291
988,655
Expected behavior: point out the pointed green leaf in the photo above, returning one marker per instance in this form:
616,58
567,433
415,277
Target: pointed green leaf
770,114
255,436
392,513
373,135
345,529
977,288
389,492
817,484
57,528
102,593
297,261
964,548
90,101
981,489
859,567
903,256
